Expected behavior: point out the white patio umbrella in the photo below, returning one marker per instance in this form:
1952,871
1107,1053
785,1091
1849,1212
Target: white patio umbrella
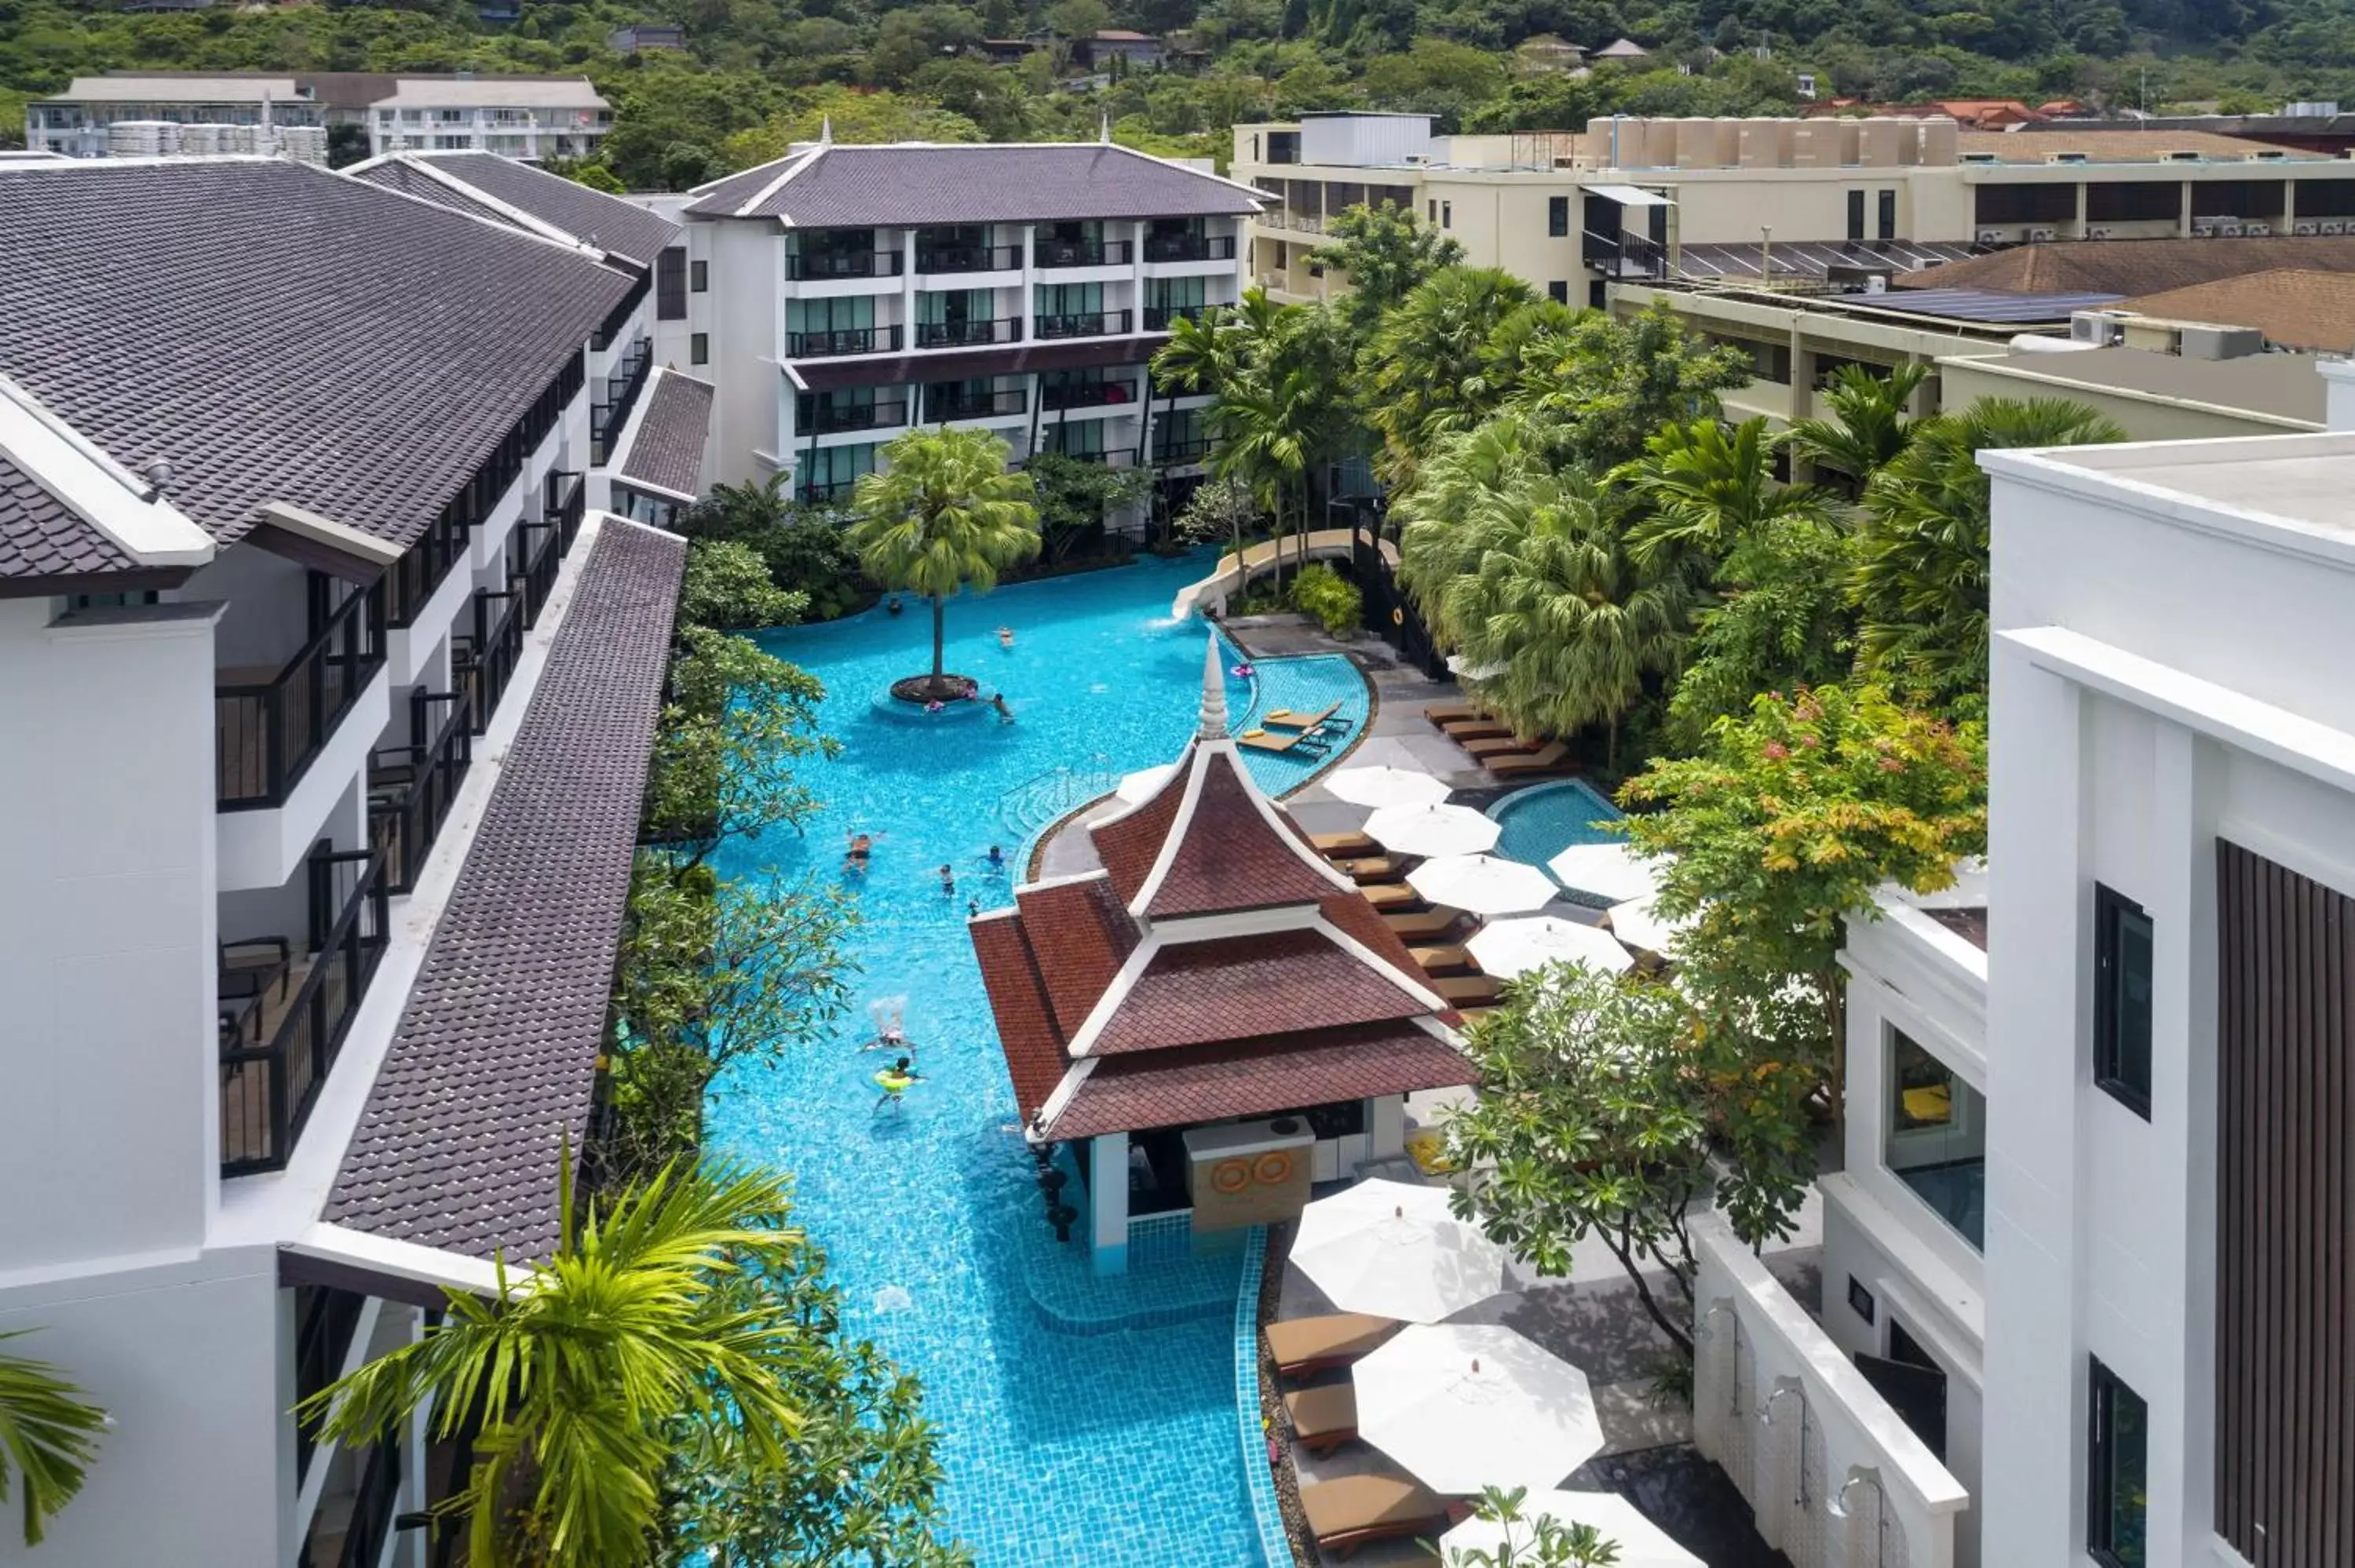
1392,1249
1386,786
1468,1406
1639,924
1642,1543
1609,871
1482,883
1432,829
1141,786
1509,948
1464,670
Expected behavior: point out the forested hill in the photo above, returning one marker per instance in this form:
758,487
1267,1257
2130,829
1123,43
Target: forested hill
760,73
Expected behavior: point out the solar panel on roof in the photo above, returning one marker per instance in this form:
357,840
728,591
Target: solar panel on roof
1993,305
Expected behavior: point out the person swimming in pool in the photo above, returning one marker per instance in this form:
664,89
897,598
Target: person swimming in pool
1004,714
894,606
996,858
857,850
890,1032
972,909
894,1081
948,883
1006,637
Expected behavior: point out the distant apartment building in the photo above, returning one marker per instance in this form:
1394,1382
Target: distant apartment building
844,294
530,117
329,699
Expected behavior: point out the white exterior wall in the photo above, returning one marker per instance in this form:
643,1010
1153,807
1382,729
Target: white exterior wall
532,134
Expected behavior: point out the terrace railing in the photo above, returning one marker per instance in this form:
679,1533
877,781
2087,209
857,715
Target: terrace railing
410,788
941,406
1159,318
968,335
266,733
1193,450
969,258
1089,324
1189,248
813,414
565,504
538,548
824,264
483,664
1052,253
1086,395
624,382
842,341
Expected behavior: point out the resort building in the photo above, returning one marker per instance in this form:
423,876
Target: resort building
843,294
1701,200
329,704
1215,1019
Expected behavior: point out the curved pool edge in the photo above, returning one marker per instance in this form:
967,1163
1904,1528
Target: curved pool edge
1251,1431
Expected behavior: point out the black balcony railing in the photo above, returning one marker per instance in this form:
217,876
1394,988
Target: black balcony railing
1182,451
969,258
624,382
617,320
267,733
1624,256
410,788
537,549
323,1320
820,416
1081,252
968,335
482,665
826,489
941,405
426,565
280,1039
1116,457
1093,324
1157,318
1086,395
826,264
373,1507
1189,248
840,340
566,502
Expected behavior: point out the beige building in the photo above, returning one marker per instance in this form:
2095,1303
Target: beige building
1779,201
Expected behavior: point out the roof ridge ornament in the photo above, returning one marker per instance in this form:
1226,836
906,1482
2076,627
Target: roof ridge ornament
825,131
1213,724
1103,128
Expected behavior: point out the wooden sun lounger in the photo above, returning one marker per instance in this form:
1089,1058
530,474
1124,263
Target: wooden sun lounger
1375,869
1284,718
1391,897
1468,990
1260,740
1552,758
1477,729
1303,1345
1344,846
1438,960
1454,713
1429,923
1324,1417
1346,1513
1503,746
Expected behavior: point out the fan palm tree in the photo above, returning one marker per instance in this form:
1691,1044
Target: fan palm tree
944,513
581,1370
1920,584
1710,491
1429,370
48,1434
1870,424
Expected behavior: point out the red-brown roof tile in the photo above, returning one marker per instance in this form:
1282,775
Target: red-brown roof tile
1232,858
1079,935
1349,913
1243,988
1034,1047
1129,845
1174,1088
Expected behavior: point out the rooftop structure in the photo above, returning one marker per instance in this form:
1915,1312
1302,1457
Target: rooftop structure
2152,394
906,185
2293,307
1215,972
2136,268
659,458
528,198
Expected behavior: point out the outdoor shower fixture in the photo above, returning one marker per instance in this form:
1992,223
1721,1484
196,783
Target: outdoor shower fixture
1791,1385
1704,1331
1837,1506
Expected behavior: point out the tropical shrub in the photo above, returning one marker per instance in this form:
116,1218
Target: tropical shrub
48,1435
727,586
1332,598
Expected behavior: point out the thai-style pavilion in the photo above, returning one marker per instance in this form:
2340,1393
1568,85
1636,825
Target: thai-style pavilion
1215,1019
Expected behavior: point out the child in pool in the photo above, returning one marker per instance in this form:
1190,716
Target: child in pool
894,1081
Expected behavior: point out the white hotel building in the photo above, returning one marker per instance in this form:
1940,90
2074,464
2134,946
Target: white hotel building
323,742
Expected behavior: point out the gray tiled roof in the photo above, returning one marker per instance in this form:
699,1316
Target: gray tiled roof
667,448
400,175
276,332
903,187
610,223
493,1063
40,537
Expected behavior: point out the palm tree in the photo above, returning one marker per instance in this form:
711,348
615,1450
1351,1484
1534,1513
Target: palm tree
1429,371
1201,356
945,512
581,1371
1870,424
1920,585
48,1434
1709,490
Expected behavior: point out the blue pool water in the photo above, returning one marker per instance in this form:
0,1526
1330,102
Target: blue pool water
1540,822
1084,1422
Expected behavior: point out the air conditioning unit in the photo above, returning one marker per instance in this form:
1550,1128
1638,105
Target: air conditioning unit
2229,228
2099,231
2097,327
2306,225
2040,234
2257,230
1993,237
2334,226
2203,228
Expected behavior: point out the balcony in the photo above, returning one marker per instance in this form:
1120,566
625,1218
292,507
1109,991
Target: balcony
842,341
824,417
1087,394
1157,318
970,259
1095,324
822,490
1052,253
624,382
269,727
1629,258
968,335
1181,452
1189,248
480,665
825,265
940,407
565,503
283,1018
410,788
411,584
1117,457
536,550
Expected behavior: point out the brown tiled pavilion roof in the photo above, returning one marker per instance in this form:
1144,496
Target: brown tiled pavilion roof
1128,844
1082,935
41,536
2295,307
2133,267
1177,1089
278,332
1033,1045
1231,857
666,448
493,1063
903,186
1241,988
1349,913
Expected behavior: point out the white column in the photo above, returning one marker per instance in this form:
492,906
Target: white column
1386,1126
1108,1203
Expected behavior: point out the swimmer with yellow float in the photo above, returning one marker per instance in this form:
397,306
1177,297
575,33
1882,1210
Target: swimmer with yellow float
894,1081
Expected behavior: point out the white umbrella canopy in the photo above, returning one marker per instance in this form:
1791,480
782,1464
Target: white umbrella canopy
1642,1543
1141,786
1386,786
1639,924
1508,947
1609,871
1432,829
1482,883
1467,1405
1392,1249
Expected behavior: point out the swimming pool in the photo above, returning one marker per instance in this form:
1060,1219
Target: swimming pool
1084,1421
1544,820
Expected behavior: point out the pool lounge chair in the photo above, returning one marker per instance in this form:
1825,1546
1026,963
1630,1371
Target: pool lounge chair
1454,713
1324,1417
1513,746
1373,869
1427,924
1284,718
1344,846
1301,741
1303,1345
1552,758
1477,730
1346,1513
1438,960
1391,897
1468,991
